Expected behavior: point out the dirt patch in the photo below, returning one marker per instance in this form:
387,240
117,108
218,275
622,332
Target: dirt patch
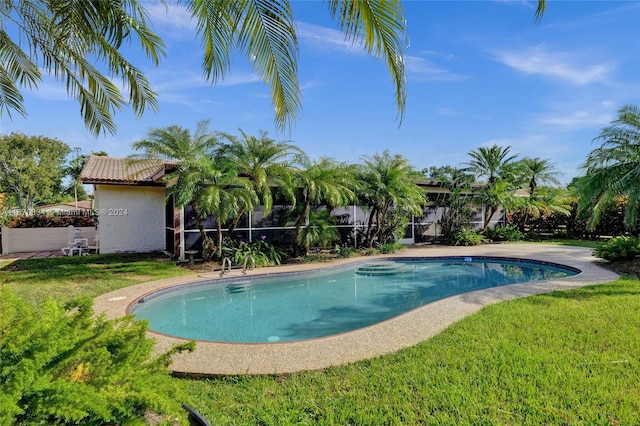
623,267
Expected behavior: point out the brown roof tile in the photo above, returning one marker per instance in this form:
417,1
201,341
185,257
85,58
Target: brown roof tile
99,169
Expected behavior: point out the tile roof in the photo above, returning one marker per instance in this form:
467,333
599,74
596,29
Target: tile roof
99,169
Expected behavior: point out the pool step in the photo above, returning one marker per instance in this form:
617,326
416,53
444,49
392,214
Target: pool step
383,267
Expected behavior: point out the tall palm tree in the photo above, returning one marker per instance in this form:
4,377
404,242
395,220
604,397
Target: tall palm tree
389,190
215,188
192,155
613,169
493,163
499,167
265,163
537,171
322,181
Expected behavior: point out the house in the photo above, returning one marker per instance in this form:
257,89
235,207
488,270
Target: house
73,208
129,204
135,215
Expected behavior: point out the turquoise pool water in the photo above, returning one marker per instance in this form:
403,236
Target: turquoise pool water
300,306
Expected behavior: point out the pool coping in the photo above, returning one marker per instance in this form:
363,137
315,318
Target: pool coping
408,329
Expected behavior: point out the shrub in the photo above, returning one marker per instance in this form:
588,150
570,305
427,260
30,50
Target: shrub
262,253
49,221
390,247
505,233
619,248
466,237
60,365
345,250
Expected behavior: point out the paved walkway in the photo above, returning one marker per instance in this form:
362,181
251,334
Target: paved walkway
212,358
31,255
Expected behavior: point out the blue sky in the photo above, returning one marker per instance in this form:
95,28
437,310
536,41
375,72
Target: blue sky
478,73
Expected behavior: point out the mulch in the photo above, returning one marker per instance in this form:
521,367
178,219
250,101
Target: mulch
623,267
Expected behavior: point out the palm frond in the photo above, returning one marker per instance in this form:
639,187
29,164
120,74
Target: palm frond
381,27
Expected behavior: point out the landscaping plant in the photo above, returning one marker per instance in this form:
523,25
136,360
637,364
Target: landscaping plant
61,365
619,248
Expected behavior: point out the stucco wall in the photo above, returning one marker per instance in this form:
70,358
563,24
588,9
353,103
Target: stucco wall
18,240
130,218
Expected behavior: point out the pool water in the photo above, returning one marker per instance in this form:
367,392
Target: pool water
283,308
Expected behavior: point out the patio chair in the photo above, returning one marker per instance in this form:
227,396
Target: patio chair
95,248
79,247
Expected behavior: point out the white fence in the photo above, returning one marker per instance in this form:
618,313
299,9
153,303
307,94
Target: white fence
18,240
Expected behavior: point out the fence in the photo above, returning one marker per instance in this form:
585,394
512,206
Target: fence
17,240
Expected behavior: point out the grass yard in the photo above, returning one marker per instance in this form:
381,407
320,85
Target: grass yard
64,278
565,358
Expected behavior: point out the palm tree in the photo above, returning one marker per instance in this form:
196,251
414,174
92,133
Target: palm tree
66,39
192,156
322,181
389,190
215,188
265,163
613,170
537,171
499,167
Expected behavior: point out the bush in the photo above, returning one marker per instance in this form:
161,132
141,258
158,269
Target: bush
345,250
619,248
466,237
262,253
390,247
505,233
60,365
49,221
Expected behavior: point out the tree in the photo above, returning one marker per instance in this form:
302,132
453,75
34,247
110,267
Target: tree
613,169
389,190
499,167
536,171
322,181
216,188
457,206
73,170
66,39
192,155
265,163
32,168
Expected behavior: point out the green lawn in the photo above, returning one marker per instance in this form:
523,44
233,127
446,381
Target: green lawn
63,278
566,358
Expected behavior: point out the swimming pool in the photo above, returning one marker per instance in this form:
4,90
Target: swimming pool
330,301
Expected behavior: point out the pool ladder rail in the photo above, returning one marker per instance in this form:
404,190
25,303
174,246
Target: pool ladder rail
249,262
225,261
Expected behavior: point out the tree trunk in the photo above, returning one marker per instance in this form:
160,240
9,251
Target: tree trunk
299,223
487,220
368,238
234,223
208,246
219,233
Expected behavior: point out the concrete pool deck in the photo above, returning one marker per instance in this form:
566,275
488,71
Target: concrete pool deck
212,358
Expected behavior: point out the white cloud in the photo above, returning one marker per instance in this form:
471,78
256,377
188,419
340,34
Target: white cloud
577,120
171,19
327,38
425,70
561,65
